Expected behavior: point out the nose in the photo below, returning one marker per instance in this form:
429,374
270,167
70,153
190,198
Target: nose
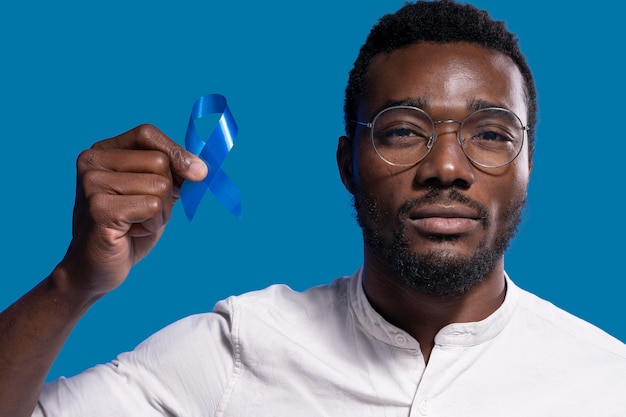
446,164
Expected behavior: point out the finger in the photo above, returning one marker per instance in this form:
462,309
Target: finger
128,161
119,160
118,183
124,184
148,137
125,212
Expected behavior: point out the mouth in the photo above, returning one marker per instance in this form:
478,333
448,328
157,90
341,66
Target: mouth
440,219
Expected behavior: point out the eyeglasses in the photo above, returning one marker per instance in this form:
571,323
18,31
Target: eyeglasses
491,137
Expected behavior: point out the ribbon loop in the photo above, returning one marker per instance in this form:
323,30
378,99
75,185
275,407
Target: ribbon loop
213,151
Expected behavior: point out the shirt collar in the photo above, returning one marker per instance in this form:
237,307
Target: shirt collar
455,334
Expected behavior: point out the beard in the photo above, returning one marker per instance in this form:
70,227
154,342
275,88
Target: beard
438,272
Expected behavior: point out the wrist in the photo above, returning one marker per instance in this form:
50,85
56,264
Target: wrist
66,284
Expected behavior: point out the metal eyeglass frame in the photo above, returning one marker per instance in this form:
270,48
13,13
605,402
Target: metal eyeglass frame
433,138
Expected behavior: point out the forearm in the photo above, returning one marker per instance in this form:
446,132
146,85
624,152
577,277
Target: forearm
126,188
32,332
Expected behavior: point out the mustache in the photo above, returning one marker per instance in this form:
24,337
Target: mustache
440,196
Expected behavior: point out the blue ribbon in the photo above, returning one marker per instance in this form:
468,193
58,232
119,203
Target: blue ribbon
213,151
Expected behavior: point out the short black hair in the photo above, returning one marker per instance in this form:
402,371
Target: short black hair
442,21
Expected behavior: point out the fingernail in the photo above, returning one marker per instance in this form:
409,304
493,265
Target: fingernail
198,169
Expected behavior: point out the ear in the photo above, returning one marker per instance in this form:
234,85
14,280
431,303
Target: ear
344,162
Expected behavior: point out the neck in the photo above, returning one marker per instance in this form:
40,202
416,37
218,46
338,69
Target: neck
424,315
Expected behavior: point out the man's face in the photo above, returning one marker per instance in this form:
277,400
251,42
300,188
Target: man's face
441,225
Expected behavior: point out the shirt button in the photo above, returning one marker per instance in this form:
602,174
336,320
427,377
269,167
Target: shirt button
423,408
400,339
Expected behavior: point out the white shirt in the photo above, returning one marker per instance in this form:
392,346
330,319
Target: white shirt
327,352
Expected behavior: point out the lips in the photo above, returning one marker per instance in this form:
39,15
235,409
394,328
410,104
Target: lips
441,219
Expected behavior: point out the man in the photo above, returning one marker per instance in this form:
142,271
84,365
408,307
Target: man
440,114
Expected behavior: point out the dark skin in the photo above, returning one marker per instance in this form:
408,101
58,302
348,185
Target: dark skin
446,79
127,186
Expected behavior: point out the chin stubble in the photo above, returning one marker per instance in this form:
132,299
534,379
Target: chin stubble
439,272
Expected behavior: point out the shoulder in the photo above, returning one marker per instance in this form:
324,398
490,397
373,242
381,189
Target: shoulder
556,325
270,326
278,300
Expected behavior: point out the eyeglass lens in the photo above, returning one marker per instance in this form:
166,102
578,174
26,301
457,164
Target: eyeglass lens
489,137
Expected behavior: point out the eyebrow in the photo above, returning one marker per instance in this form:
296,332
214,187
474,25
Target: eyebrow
419,102
424,104
477,104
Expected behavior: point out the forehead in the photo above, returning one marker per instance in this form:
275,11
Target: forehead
445,78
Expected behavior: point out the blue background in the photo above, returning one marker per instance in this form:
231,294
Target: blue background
76,72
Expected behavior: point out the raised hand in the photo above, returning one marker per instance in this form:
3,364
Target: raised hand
126,188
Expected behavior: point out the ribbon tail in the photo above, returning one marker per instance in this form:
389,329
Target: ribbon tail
226,192
190,195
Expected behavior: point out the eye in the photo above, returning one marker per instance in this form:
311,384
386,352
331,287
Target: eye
493,135
492,128
493,138
400,134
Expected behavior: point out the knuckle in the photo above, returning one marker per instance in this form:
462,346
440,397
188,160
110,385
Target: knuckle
86,159
150,137
147,132
178,156
161,162
96,206
161,185
90,180
153,204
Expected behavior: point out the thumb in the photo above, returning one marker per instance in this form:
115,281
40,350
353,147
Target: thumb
196,169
